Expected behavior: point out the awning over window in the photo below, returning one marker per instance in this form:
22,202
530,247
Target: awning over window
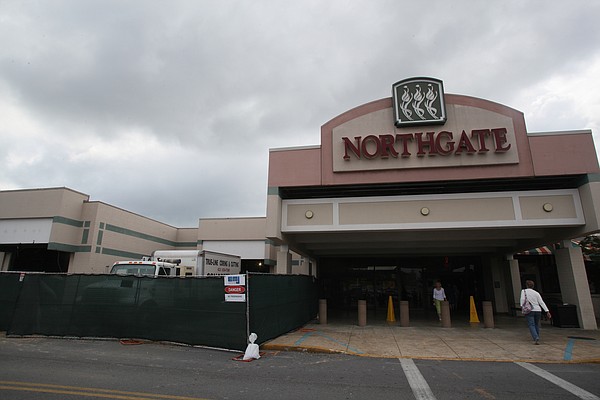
538,251
548,250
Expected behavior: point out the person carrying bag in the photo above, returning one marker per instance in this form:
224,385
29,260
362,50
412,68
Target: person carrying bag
532,306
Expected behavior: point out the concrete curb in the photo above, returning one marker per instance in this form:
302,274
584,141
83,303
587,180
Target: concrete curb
324,350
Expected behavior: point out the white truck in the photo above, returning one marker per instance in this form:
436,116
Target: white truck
145,268
200,262
180,263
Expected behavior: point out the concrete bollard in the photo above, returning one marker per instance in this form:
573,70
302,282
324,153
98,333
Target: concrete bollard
446,322
488,314
404,317
323,311
362,312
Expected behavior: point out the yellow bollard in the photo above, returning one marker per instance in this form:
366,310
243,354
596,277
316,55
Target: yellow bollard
390,313
474,318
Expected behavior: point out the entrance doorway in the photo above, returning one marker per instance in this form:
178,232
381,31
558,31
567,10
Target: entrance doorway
344,280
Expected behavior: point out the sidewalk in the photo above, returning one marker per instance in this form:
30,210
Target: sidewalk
509,341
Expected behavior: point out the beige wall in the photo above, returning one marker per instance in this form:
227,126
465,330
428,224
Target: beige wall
532,207
37,203
239,236
273,220
590,198
465,210
479,209
119,234
232,228
97,234
313,214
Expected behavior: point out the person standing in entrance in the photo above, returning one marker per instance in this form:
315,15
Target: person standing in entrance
439,295
537,305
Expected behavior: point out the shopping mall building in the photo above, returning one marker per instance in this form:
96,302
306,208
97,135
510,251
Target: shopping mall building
401,192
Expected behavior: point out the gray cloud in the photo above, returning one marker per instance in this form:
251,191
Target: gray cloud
116,98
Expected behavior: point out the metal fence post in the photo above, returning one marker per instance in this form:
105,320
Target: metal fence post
247,306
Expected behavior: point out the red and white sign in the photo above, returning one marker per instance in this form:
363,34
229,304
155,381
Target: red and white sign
235,289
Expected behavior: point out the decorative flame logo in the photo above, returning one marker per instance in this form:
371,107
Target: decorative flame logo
419,101
431,96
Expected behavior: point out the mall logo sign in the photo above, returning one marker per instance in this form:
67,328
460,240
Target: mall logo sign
419,101
418,132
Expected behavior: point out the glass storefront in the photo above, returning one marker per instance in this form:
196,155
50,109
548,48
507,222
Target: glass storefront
344,281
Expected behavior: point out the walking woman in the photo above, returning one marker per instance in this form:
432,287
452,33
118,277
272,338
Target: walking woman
439,295
537,305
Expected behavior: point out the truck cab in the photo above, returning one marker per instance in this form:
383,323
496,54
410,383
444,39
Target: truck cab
145,268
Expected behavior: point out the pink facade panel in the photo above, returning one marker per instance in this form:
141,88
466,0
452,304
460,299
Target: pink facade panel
295,167
563,154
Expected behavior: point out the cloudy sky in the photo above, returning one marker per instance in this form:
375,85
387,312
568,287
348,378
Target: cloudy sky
168,109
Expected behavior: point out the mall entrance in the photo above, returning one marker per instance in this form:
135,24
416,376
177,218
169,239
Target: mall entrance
343,281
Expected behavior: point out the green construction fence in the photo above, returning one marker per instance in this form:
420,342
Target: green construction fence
183,310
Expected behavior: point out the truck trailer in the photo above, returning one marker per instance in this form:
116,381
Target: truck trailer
200,262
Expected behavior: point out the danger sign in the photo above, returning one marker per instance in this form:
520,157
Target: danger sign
235,289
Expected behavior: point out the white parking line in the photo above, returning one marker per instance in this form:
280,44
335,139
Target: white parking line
417,383
576,390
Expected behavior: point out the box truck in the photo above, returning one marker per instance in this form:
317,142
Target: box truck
200,262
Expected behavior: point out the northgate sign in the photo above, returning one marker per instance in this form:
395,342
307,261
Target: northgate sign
421,128
431,143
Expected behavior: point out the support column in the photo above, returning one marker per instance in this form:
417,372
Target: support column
305,266
498,266
574,284
515,278
284,260
3,267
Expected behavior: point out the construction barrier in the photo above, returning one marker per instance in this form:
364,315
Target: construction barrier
10,286
185,310
280,303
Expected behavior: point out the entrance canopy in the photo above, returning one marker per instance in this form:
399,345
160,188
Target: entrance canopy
473,223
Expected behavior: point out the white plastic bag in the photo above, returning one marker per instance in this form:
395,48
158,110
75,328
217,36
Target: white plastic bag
252,351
